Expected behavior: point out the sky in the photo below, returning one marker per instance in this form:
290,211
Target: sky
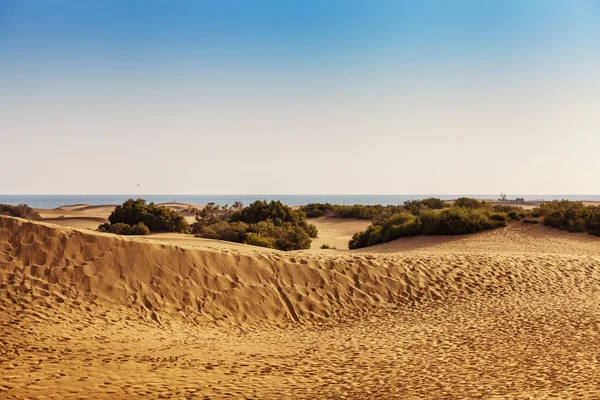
299,97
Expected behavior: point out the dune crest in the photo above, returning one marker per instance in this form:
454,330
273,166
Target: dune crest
233,285
86,314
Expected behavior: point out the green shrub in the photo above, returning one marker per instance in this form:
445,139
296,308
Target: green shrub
416,206
592,223
572,216
275,211
326,247
124,229
460,221
310,229
291,237
316,210
21,211
120,228
228,231
503,217
139,229
396,226
467,202
358,211
212,214
531,220
515,213
257,240
449,221
267,224
371,212
155,218
536,212
564,214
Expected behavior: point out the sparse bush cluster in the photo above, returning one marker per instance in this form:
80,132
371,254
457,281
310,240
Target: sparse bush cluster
370,212
213,214
467,202
432,218
514,213
416,206
21,211
135,217
572,216
266,224
358,211
470,215
124,229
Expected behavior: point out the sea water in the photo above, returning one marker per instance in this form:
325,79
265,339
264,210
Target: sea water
54,200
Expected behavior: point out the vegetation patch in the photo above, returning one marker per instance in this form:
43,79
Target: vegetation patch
21,211
135,217
370,212
266,224
572,216
432,218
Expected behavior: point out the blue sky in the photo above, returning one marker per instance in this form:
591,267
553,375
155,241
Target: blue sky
356,91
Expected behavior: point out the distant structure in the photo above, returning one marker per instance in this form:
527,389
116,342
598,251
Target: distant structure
504,197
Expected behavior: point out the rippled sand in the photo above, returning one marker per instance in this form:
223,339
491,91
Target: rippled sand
512,313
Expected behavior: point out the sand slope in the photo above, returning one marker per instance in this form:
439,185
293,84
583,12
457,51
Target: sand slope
88,313
336,232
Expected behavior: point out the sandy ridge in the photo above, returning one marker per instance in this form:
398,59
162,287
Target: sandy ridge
234,285
511,313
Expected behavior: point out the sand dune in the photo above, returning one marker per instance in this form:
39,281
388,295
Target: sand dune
337,232
90,223
508,313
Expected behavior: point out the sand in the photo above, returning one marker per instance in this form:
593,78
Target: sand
336,232
510,313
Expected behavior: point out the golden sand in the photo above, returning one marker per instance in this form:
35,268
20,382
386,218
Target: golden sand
510,313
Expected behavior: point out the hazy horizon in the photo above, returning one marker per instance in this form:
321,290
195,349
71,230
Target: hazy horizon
299,97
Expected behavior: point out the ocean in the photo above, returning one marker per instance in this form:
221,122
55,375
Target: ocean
54,201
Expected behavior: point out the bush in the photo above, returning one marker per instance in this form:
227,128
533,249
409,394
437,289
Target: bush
154,218
139,229
124,229
460,221
255,239
592,223
449,221
398,225
416,206
316,210
310,229
275,211
212,214
467,202
536,212
531,221
326,247
21,211
267,224
371,212
292,237
358,211
572,216
286,237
